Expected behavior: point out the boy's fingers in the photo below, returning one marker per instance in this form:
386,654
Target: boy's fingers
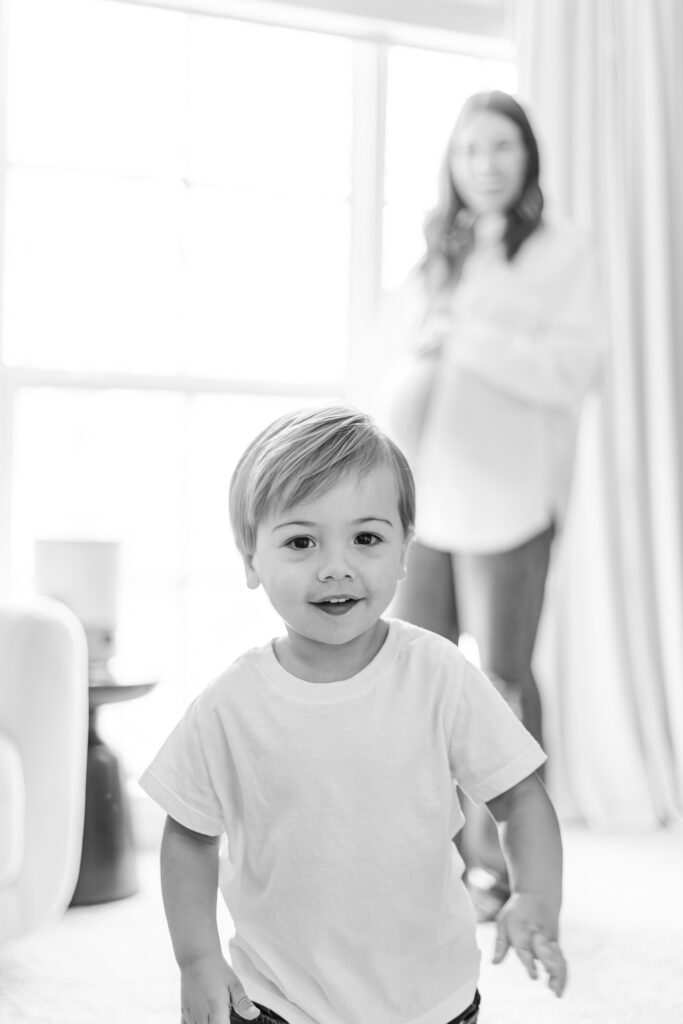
547,951
241,1003
550,955
527,958
246,1009
557,984
501,947
537,946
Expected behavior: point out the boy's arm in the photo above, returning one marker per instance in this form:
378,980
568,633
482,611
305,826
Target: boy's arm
189,885
530,837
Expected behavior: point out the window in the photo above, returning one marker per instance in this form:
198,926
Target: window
183,255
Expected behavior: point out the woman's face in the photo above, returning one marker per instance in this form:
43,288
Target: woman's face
488,162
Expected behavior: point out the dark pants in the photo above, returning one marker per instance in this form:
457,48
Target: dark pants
468,1016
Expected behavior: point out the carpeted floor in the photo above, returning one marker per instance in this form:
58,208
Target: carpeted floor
622,934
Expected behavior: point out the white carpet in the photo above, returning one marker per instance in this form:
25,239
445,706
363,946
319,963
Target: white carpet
622,934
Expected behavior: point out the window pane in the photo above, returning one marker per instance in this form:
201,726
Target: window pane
92,271
98,86
190,215
421,81
269,111
268,287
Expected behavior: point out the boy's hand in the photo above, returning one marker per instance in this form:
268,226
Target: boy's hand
526,924
208,989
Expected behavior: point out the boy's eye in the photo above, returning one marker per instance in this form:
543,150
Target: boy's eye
300,543
368,539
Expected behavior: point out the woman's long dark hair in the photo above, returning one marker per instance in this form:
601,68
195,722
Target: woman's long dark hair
448,228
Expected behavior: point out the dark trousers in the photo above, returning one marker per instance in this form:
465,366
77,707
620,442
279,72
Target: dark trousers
468,1016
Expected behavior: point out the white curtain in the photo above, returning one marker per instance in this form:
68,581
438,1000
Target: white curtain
603,80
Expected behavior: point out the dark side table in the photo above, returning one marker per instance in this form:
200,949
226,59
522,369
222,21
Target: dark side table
108,867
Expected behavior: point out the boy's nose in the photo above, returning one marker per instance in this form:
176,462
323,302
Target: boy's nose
335,567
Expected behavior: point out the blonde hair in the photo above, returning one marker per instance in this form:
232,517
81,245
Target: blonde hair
305,452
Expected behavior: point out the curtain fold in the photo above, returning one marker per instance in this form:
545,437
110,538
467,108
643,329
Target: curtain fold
604,86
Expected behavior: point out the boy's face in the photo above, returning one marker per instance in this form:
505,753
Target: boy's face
331,563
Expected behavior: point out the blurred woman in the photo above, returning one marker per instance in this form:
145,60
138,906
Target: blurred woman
502,319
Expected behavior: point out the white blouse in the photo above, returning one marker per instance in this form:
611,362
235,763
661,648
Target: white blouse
518,348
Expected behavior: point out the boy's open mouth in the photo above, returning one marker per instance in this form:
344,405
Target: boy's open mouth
337,605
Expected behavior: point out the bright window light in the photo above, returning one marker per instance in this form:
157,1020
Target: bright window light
177,199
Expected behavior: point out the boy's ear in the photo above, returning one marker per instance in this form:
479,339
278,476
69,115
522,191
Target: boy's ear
253,579
403,567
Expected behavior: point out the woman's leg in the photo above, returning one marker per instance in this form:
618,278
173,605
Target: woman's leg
500,599
426,596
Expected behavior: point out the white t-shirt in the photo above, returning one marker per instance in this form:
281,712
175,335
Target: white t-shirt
338,801
523,343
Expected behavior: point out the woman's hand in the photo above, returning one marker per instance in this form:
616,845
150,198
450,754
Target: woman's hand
208,989
526,924
436,330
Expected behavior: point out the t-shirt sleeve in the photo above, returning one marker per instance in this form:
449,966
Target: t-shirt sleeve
489,749
179,779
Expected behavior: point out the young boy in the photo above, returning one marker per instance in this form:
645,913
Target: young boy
330,758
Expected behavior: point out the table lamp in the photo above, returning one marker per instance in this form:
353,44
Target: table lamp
84,574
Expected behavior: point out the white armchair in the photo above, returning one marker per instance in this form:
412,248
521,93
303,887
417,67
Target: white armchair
43,744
